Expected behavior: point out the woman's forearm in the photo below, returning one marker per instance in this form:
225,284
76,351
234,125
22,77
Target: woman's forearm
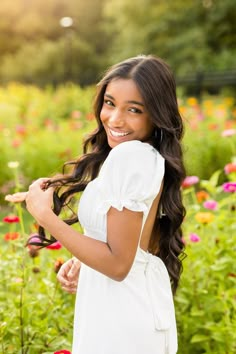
94,253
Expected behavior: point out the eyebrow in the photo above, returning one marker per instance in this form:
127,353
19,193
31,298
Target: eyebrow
131,101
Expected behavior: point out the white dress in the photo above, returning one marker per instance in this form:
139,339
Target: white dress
136,315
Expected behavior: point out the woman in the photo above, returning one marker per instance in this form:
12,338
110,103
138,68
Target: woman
131,212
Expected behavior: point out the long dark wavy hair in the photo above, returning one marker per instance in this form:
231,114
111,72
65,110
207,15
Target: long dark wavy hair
157,87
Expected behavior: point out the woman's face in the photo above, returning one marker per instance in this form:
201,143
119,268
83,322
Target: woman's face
124,115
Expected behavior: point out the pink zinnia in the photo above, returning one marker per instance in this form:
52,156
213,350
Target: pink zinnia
210,204
228,132
230,167
229,187
54,246
34,238
189,181
194,238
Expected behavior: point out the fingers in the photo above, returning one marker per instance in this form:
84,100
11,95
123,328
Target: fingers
68,275
71,290
16,197
74,270
40,183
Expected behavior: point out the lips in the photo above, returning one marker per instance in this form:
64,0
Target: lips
118,134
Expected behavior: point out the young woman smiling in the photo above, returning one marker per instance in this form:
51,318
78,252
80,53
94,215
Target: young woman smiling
127,263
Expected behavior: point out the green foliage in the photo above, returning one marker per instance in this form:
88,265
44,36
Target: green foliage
36,316
40,130
206,149
205,301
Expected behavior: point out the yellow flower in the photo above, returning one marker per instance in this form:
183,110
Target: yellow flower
204,217
192,101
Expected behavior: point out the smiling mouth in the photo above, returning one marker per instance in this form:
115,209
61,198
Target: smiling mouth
116,134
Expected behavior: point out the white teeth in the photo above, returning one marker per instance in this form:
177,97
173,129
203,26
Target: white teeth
113,133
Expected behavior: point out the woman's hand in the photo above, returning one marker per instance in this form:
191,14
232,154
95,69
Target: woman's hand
68,275
39,200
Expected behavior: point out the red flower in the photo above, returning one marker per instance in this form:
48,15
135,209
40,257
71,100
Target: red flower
11,219
63,351
9,236
55,246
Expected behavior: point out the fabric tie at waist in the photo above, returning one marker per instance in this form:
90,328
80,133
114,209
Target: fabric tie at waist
159,290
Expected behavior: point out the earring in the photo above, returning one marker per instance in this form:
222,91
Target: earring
158,134
161,135
161,213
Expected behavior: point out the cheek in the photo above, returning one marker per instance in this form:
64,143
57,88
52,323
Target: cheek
103,114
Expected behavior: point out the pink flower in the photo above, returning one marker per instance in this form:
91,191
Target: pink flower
76,114
189,181
11,219
228,132
20,129
63,351
230,167
229,187
194,238
33,249
54,246
34,238
210,204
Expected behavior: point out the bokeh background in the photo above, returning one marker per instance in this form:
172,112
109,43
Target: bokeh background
38,46
52,53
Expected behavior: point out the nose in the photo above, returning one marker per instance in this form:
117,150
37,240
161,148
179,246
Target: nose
116,118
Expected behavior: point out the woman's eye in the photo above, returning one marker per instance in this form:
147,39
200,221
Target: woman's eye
135,110
108,102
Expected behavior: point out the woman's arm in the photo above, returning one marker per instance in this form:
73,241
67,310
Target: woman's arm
113,258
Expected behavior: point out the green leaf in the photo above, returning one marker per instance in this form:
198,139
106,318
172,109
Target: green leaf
197,338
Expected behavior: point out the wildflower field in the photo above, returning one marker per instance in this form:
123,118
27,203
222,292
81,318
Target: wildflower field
39,131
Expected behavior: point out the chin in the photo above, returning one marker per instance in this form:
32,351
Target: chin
112,142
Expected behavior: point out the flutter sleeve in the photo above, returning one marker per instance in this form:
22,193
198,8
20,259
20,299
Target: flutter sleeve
130,177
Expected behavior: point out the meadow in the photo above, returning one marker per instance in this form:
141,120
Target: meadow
39,131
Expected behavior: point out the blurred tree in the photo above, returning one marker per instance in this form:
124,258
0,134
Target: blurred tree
190,35
34,47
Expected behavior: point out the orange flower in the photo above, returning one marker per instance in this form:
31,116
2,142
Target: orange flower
204,217
58,263
201,196
90,116
9,236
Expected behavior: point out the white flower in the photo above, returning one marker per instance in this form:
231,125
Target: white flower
13,164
